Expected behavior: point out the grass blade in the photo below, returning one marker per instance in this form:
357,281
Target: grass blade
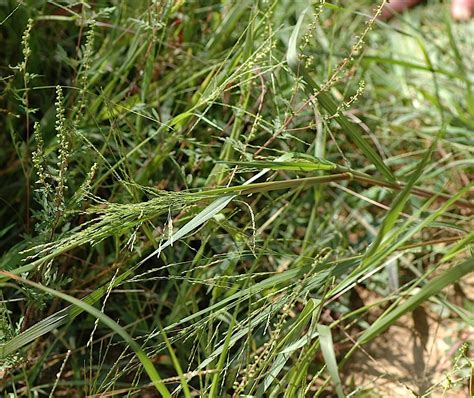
400,202
431,288
327,348
176,364
141,355
325,99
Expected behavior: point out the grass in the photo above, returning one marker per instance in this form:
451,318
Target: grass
206,198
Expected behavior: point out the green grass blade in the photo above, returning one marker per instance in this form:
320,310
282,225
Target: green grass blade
325,99
431,288
59,318
201,218
459,246
290,343
327,348
176,364
141,355
223,356
400,202
295,165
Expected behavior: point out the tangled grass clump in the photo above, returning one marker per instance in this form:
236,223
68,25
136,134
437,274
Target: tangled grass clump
224,199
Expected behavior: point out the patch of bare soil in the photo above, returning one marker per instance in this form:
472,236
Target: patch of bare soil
428,353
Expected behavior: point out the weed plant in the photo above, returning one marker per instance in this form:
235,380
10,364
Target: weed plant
228,198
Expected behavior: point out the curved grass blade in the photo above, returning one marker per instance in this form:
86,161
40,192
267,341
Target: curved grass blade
141,355
59,318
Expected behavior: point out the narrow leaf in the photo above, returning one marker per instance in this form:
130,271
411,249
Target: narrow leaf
353,131
327,348
141,355
400,202
431,288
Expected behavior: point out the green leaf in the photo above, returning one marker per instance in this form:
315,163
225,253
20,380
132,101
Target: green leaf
296,164
352,130
205,215
176,364
400,202
431,288
459,246
289,344
327,348
141,355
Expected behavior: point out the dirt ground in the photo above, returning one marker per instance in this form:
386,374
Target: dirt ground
429,353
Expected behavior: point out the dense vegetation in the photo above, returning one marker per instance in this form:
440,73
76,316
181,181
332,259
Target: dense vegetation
228,198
